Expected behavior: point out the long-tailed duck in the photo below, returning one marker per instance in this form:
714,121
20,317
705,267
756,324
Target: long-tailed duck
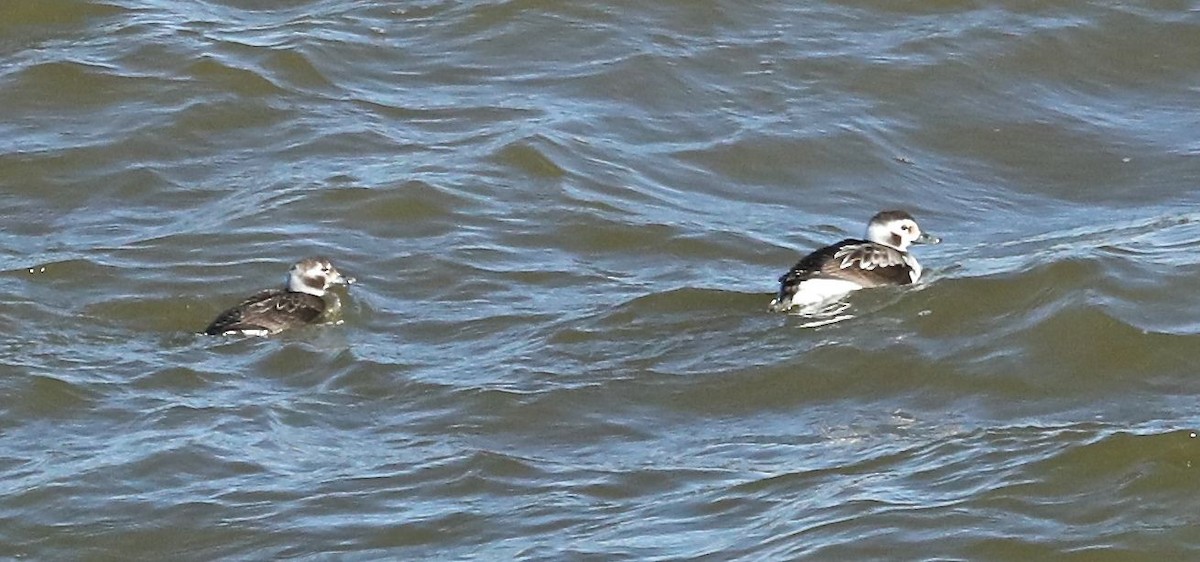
849,265
274,310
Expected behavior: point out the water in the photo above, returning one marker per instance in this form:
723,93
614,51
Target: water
566,220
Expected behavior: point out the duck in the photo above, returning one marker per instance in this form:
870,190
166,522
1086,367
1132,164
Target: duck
881,259
302,301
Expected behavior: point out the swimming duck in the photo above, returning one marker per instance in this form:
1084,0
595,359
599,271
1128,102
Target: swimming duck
302,301
836,270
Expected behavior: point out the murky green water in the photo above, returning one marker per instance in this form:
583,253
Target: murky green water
566,220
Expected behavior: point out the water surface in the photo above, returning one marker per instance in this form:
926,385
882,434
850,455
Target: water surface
566,220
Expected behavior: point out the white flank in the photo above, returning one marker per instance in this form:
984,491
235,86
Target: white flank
259,333
816,292
914,267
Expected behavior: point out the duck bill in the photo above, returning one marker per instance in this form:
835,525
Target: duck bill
927,239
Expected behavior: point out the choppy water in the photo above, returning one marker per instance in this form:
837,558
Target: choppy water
566,219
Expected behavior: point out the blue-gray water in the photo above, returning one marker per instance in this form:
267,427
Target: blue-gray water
566,219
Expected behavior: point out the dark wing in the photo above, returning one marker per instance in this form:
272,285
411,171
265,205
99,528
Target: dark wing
272,310
866,263
869,264
813,264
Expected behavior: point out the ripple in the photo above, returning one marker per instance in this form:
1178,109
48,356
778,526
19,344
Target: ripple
526,157
55,13
567,221
242,81
51,397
